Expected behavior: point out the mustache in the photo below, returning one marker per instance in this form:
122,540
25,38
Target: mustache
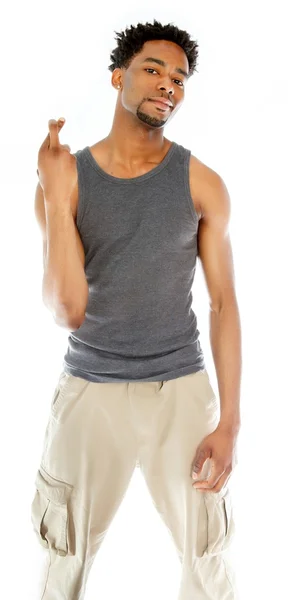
160,97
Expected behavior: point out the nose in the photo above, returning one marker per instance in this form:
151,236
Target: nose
169,89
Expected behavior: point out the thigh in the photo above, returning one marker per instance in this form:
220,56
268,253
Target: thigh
88,458
88,431
183,412
187,411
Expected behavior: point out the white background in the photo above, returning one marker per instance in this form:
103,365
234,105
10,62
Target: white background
55,58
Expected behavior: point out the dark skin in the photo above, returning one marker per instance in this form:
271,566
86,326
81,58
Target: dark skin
136,138
134,146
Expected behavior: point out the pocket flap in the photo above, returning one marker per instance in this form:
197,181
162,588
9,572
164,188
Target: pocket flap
53,489
50,512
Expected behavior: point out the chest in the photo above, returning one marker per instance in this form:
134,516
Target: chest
75,198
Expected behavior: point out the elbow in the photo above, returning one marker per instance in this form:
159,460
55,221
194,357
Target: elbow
75,323
69,322
74,319
64,313
223,302
66,316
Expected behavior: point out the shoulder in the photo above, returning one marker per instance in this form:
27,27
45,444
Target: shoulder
208,190
97,147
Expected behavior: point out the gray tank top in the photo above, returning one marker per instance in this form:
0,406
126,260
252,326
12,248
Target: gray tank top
140,241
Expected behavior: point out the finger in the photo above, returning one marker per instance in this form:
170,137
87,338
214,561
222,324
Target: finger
213,483
54,133
216,489
46,143
211,478
67,147
54,128
61,122
200,458
205,485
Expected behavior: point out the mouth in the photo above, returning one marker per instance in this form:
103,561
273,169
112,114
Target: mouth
161,105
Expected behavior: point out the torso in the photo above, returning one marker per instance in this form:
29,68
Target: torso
98,152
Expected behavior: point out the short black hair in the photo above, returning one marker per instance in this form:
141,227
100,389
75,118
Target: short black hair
131,40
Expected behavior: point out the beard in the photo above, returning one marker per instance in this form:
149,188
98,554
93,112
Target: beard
152,121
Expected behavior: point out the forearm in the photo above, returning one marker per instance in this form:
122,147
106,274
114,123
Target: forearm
65,288
225,338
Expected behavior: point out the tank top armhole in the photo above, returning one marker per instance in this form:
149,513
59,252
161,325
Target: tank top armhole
81,192
187,186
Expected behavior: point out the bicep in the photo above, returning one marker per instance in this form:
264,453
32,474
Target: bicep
214,244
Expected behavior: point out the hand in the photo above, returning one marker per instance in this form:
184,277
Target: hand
57,169
219,447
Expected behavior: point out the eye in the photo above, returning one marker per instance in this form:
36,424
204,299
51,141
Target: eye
177,80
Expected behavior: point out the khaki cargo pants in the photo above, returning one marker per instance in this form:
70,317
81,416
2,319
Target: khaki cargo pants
97,433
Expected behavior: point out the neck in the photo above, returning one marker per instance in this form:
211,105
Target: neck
130,141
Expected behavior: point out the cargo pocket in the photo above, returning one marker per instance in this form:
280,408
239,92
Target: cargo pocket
50,513
216,526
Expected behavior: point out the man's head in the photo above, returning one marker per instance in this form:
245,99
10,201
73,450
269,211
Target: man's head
153,61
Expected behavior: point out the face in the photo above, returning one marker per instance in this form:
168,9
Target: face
147,79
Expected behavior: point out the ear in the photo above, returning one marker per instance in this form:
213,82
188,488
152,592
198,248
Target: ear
116,79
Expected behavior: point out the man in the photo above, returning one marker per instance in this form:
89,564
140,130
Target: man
123,222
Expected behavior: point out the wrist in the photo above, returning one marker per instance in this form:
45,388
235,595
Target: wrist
229,424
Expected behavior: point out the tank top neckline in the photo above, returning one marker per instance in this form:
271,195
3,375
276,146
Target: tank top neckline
125,180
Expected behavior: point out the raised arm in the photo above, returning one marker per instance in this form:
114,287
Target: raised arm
64,287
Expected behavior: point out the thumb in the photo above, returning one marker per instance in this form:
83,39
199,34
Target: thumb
201,456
